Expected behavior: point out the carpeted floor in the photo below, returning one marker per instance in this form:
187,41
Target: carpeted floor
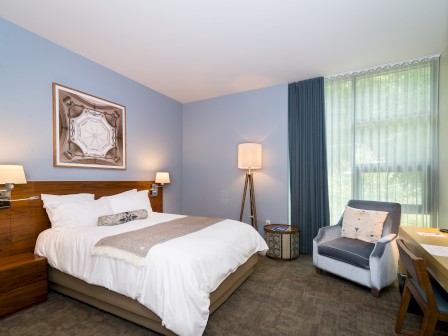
280,298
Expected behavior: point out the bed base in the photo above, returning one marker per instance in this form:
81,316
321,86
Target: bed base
132,310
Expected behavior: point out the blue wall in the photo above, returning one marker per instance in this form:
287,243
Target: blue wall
197,142
213,128
28,66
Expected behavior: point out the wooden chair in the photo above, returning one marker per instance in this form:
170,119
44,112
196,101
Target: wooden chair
430,297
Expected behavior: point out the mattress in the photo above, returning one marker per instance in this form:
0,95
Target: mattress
177,276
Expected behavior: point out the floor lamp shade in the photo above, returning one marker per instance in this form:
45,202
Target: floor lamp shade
249,156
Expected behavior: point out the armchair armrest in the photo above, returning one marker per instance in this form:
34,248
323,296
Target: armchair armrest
384,262
380,245
325,234
328,233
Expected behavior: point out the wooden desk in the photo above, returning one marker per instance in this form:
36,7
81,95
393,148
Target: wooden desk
437,266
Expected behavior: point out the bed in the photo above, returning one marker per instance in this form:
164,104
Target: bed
130,303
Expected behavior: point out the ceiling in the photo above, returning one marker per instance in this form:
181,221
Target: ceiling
198,49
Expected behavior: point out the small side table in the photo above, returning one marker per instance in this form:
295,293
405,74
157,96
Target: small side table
282,240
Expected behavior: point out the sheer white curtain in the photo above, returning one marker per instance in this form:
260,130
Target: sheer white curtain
382,138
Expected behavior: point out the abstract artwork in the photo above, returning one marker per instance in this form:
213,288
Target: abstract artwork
89,132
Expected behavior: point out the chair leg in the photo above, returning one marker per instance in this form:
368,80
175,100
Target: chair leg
318,270
375,292
405,299
428,324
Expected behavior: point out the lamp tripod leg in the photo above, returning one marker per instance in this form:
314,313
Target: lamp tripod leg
253,209
244,197
249,183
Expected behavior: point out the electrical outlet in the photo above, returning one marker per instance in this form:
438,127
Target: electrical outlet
268,222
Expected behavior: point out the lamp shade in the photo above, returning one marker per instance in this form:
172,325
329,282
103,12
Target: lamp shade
12,174
249,156
162,177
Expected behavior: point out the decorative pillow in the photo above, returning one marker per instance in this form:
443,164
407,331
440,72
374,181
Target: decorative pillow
123,217
77,214
365,225
129,202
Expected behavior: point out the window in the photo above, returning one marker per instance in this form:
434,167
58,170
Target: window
382,139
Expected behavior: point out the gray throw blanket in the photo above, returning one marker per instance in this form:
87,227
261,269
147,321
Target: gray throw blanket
133,246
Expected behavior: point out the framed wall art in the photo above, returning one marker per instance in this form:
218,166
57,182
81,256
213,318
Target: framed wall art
88,132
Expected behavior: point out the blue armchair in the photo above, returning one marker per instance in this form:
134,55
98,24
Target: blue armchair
373,265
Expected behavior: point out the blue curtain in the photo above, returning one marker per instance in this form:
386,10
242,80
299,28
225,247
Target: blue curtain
308,159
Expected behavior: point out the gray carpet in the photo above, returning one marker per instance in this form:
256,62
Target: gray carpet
280,298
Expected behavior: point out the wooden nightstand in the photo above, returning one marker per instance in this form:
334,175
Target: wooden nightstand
23,282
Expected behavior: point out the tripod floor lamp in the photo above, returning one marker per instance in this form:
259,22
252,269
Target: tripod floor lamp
249,157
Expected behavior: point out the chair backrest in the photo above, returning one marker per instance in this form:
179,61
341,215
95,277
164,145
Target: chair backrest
392,222
416,269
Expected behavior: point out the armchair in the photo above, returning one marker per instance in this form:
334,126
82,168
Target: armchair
373,265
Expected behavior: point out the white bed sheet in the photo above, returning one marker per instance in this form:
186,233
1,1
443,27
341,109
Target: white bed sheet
178,275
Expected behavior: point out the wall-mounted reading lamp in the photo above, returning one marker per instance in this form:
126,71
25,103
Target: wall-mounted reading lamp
162,178
10,175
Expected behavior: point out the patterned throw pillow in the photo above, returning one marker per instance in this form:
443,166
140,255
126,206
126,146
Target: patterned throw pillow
365,225
122,217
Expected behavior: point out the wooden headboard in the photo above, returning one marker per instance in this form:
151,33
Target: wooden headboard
21,224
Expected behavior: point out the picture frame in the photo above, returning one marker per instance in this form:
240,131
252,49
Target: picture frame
88,131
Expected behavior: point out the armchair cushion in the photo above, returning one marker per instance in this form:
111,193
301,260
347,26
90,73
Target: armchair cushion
353,251
366,225
392,222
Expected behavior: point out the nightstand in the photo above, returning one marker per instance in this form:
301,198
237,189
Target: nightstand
23,282
282,240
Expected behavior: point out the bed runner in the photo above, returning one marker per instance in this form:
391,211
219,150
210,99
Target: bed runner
133,246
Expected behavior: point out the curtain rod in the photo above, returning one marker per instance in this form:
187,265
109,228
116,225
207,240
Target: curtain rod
384,66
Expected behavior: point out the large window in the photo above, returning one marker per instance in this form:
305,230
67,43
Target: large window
382,139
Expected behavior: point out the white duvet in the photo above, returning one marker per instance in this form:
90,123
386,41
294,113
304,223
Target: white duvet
178,275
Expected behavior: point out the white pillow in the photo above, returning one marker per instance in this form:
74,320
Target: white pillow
124,193
77,213
365,225
130,202
47,198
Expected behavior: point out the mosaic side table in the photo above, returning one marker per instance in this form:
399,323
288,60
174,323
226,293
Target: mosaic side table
283,241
